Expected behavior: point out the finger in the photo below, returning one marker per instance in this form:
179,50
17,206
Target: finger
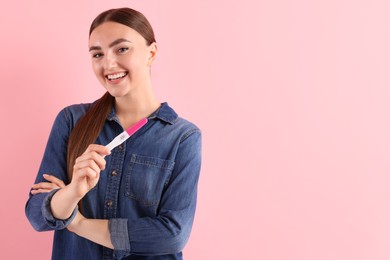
87,164
45,185
40,191
100,149
86,172
97,158
54,180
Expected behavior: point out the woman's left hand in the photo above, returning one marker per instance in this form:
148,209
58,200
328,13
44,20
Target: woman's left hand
55,183
44,187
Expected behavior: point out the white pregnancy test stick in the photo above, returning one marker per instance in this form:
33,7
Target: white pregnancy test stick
126,134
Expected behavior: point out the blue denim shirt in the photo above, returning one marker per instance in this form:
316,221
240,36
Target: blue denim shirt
147,191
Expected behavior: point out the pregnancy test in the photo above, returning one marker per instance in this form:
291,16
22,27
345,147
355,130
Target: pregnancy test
126,134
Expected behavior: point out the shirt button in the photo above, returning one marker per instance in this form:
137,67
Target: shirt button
120,147
109,203
114,173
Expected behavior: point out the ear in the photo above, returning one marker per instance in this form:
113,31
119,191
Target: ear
152,53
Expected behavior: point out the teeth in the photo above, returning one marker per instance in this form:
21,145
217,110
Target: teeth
116,76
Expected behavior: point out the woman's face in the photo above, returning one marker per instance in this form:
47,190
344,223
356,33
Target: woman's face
121,58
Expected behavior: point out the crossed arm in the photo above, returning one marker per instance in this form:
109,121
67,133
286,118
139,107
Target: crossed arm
86,174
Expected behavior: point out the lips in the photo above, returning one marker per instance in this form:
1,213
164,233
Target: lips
116,76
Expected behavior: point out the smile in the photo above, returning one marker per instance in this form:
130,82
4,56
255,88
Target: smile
116,76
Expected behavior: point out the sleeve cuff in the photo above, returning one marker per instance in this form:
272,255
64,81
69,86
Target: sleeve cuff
51,221
119,237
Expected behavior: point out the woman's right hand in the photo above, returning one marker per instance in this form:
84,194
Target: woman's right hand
86,171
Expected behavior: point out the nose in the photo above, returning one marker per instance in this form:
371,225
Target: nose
109,61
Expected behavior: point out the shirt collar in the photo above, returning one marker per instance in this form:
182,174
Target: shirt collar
164,113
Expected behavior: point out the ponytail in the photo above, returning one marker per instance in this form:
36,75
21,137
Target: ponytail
87,130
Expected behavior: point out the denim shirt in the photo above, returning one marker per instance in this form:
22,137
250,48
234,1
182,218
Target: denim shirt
147,191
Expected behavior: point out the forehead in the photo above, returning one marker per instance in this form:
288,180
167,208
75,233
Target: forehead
108,32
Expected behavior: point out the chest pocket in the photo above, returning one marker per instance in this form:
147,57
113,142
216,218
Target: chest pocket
146,178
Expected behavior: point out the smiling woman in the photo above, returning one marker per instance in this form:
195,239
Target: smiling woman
138,200
121,58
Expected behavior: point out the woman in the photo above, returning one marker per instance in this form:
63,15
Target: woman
138,200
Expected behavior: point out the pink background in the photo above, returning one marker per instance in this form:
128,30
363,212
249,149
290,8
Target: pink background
292,97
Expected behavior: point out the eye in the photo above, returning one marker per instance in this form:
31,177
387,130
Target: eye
97,55
122,50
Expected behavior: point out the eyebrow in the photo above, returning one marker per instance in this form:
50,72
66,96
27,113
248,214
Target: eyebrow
117,41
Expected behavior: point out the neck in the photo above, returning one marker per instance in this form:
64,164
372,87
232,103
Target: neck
135,106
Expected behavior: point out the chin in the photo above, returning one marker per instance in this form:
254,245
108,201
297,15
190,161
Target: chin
117,93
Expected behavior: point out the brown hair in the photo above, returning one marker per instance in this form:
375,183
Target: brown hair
89,126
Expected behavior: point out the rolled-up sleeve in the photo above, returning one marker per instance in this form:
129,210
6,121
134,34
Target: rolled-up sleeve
50,220
37,208
119,237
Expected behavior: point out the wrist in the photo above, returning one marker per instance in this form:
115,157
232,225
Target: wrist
73,188
63,203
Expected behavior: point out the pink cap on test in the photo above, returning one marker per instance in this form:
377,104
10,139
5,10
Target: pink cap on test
131,130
